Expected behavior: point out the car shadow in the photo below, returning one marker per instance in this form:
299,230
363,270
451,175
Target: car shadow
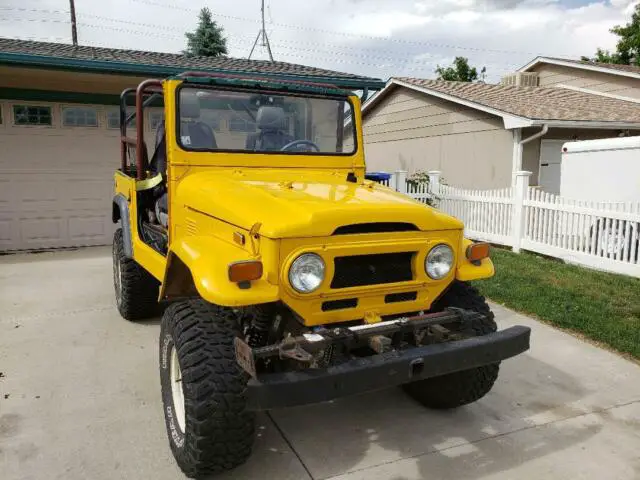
360,432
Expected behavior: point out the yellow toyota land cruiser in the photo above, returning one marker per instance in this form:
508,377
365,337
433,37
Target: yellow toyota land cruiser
289,278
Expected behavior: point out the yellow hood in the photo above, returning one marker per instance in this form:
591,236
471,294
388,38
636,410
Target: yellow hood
298,203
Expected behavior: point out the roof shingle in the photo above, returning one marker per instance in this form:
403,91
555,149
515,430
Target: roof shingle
170,60
610,66
537,103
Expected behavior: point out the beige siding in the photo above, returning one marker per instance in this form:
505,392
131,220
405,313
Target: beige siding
63,81
412,131
554,75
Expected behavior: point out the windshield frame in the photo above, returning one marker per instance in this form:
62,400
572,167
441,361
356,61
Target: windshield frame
293,93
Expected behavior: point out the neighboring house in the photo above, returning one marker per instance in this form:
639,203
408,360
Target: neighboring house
479,134
59,131
606,78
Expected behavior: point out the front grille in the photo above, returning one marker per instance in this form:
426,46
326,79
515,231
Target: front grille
360,270
339,304
400,297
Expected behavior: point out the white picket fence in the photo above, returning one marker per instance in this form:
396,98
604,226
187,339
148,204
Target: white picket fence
602,235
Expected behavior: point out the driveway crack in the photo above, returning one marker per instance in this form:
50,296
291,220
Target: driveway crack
295,452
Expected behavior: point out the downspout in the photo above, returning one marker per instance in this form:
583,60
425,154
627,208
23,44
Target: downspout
518,143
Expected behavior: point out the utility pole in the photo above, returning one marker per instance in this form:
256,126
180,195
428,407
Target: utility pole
262,33
74,29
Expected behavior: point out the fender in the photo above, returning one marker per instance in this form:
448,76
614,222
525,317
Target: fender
467,271
199,265
121,213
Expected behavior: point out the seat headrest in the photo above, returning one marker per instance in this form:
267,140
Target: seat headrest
270,118
189,105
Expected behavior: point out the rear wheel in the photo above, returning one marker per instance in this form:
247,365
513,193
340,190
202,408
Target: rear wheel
136,289
203,389
459,388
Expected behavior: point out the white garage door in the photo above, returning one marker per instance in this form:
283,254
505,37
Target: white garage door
56,181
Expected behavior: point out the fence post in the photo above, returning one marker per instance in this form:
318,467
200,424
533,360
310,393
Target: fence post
401,181
434,182
393,182
518,195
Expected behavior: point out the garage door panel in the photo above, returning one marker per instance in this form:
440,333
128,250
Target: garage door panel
42,230
6,195
87,194
8,232
89,227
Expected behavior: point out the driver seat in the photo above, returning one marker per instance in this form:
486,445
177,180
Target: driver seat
193,134
271,136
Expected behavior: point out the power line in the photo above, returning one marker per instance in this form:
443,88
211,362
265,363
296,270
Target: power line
284,25
348,34
243,40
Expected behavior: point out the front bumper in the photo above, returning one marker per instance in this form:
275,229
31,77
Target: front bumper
300,387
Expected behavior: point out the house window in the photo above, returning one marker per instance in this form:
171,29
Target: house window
154,120
241,125
79,117
31,115
113,119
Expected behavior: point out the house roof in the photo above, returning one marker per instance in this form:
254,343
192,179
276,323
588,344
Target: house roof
610,68
526,106
136,62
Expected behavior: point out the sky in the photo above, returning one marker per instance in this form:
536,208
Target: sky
379,38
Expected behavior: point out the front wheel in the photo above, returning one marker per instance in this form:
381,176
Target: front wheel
203,389
467,386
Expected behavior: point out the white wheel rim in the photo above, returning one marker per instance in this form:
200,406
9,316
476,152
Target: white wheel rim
177,393
610,242
118,279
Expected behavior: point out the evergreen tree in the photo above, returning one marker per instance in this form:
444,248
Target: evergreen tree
208,39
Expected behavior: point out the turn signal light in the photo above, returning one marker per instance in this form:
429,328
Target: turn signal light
245,271
478,251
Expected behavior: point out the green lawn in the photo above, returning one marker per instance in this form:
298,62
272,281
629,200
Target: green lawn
601,306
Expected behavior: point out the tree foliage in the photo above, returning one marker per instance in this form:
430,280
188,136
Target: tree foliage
208,39
627,50
460,71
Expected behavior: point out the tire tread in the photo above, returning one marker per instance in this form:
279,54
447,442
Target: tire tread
220,431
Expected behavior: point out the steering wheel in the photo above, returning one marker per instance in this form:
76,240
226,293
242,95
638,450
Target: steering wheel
297,143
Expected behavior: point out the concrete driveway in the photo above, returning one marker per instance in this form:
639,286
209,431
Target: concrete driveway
79,399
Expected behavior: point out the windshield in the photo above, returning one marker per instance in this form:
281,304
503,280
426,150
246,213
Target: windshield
222,120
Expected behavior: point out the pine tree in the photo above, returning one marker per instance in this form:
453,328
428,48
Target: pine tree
208,39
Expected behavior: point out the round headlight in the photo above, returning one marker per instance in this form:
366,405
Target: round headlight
306,272
439,261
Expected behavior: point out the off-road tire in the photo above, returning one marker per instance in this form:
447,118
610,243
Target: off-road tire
136,289
459,388
219,430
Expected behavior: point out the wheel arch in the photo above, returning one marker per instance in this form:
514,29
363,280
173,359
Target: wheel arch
120,213
178,281
198,266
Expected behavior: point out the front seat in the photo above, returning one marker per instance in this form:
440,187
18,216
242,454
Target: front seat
271,135
193,132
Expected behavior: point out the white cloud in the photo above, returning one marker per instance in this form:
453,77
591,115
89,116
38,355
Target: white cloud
373,37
